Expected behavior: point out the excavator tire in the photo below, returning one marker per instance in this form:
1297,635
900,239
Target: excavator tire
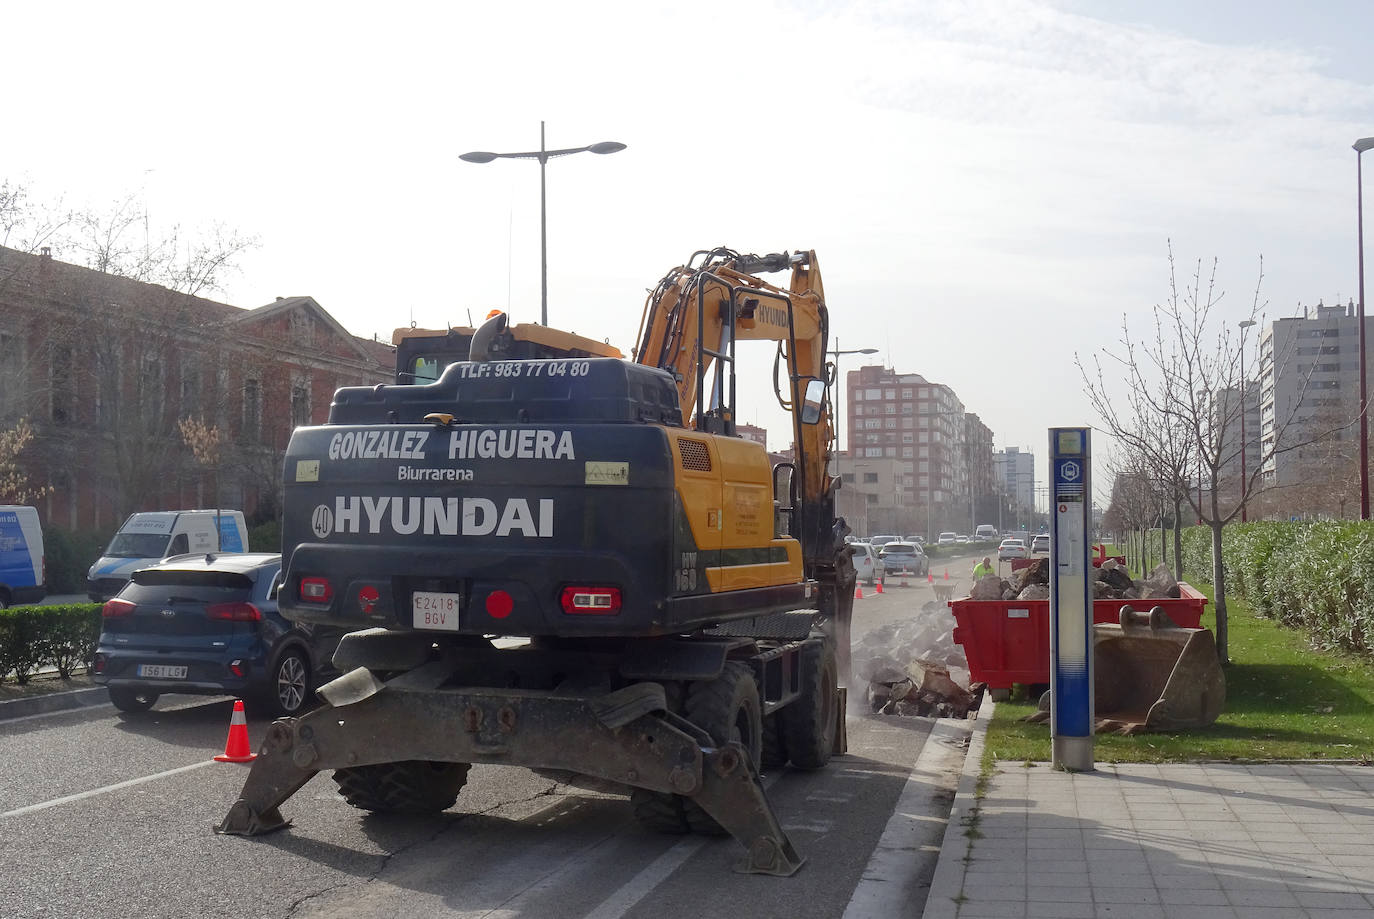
774,755
728,709
807,726
411,787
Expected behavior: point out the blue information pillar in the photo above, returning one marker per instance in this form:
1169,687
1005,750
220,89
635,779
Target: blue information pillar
1071,602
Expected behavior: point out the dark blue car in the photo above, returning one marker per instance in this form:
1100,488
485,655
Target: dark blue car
208,625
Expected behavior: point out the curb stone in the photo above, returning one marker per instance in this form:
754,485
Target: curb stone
945,888
53,702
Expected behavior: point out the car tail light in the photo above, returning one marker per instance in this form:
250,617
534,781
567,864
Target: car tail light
236,668
98,664
595,601
234,612
117,608
316,590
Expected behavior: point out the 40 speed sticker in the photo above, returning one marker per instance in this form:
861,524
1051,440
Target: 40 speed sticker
435,517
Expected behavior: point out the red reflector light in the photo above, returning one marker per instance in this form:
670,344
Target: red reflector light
234,612
98,665
316,590
499,604
113,609
595,601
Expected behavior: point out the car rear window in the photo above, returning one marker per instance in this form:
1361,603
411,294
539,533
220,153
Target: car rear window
165,577
898,548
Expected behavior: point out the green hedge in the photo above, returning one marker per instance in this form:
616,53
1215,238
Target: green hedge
32,637
1316,576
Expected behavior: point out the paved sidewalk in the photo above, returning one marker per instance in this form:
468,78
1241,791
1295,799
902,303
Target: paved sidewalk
1135,841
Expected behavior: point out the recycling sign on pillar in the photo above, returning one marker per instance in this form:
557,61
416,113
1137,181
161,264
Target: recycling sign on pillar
1071,660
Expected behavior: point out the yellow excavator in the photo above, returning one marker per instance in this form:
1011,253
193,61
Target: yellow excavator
686,604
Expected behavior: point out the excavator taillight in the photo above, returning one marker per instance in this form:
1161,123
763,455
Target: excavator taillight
115,608
316,590
595,601
499,604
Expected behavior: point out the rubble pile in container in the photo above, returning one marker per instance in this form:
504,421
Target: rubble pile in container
1111,581
914,667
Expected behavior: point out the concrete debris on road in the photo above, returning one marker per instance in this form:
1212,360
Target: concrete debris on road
915,668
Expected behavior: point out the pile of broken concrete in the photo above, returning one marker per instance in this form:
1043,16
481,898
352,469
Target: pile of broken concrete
1111,581
914,667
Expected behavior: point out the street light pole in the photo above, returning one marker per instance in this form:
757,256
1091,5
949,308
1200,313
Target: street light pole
1360,146
543,156
836,353
1244,445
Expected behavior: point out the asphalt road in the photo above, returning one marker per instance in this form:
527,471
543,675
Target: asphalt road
110,814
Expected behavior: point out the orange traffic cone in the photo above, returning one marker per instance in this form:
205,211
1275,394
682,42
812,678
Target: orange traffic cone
858,592
930,578
878,587
946,574
236,747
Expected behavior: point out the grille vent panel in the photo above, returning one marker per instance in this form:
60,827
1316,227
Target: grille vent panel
696,456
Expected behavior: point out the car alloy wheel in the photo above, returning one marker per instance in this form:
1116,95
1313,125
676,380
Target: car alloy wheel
290,683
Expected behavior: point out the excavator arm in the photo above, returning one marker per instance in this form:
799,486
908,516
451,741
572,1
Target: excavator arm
691,321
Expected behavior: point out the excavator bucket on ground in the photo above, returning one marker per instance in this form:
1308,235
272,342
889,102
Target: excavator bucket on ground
1151,675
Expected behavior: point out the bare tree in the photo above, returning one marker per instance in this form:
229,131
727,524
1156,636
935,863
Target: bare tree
1180,387
15,484
130,385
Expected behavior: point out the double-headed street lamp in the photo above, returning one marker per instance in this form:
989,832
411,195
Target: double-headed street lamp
1360,146
1244,446
543,156
836,354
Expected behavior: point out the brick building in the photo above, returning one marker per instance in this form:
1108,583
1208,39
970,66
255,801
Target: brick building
105,369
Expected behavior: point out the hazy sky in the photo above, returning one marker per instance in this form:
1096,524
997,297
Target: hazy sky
989,186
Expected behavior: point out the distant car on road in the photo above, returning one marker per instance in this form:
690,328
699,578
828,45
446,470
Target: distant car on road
879,541
1012,548
867,563
904,558
948,539
1040,545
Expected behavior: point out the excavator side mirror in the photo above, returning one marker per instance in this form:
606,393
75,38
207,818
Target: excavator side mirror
811,404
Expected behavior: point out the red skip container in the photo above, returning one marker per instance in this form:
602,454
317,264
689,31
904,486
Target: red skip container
1008,641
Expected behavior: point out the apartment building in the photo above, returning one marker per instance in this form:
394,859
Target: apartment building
943,452
1309,383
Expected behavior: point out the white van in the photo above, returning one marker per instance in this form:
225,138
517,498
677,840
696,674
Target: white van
149,537
22,573
985,531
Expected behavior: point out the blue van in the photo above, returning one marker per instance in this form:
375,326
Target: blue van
22,576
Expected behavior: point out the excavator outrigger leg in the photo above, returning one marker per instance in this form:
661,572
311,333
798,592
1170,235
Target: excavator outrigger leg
625,736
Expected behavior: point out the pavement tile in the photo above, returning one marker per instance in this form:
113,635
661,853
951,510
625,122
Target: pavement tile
1130,911
1101,879
1145,895
1248,898
1059,910
1330,899
1193,911
1192,896
1059,895
1273,912
992,909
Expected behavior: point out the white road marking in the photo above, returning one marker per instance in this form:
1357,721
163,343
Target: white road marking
887,886
21,811
656,872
